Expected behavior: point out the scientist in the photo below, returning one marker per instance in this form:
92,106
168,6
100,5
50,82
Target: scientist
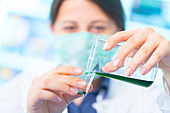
53,92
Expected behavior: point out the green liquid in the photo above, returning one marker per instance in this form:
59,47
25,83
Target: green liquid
143,83
82,93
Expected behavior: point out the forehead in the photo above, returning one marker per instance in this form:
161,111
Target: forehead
80,10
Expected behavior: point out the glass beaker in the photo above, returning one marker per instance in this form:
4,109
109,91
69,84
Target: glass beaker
98,58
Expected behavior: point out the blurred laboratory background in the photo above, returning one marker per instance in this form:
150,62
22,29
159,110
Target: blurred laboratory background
26,38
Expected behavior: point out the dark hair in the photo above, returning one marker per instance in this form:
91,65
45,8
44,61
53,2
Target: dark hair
112,8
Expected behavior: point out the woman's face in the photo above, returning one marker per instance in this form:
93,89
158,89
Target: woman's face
82,15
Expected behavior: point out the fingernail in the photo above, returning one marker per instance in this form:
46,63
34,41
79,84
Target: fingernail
59,99
116,62
106,45
81,83
73,90
78,71
143,71
128,71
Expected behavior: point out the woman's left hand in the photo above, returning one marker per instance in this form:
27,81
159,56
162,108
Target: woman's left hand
149,42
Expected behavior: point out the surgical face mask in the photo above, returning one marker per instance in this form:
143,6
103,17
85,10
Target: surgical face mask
74,48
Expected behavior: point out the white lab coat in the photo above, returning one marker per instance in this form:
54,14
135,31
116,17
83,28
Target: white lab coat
122,97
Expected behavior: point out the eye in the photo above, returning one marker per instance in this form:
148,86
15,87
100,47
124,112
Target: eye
69,28
97,29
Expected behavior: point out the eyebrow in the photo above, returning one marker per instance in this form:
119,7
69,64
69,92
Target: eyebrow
99,21
68,21
93,22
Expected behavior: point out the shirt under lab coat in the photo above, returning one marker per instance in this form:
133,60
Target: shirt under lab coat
122,97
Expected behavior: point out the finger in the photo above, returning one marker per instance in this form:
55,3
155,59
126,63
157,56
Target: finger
142,54
158,54
133,52
49,84
66,70
118,37
109,67
61,84
134,42
74,82
41,95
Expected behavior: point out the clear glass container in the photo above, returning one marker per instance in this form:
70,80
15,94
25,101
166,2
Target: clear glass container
98,58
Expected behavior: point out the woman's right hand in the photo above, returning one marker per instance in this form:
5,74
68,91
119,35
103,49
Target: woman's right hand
53,91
